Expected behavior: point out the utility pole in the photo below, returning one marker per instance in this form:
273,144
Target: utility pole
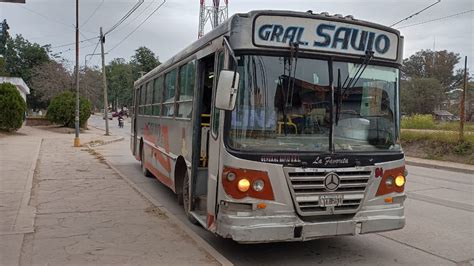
77,142
104,81
462,103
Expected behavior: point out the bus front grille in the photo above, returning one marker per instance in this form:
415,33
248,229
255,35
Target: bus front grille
307,188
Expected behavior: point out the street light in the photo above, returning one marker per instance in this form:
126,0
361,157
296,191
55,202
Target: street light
85,58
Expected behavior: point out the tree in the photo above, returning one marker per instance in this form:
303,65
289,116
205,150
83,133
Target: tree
119,83
91,86
429,64
62,108
49,79
420,95
21,57
144,60
3,36
12,107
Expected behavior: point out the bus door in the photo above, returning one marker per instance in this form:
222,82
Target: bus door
214,148
201,136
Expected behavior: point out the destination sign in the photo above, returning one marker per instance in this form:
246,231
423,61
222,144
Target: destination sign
324,35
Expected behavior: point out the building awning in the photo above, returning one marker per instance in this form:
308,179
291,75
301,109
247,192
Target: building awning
442,113
18,82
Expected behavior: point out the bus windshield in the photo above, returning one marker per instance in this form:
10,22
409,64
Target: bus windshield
284,104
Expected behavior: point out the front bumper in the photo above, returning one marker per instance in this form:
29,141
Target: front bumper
279,228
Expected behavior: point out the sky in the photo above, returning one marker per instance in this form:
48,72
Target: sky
175,25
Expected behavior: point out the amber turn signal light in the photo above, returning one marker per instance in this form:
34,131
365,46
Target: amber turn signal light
243,185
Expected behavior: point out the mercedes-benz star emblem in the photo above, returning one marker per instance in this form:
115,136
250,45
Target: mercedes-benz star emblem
332,181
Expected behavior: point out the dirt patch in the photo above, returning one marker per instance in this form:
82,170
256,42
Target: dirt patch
59,129
155,211
97,155
439,151
4,134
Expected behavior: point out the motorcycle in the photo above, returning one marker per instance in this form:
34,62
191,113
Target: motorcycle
120,122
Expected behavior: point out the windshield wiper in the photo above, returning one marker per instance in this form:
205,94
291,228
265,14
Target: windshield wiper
291,81
352,81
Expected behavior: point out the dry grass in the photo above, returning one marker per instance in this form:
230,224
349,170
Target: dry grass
439,145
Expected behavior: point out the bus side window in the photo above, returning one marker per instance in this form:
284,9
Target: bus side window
215,111
141,100
170,90
186,90
157,96
149,98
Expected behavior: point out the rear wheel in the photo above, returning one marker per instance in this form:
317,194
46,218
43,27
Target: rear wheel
187,202
145,171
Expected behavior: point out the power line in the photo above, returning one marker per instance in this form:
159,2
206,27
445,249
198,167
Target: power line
128,14
417,13
71,49
126,37
139,15
72,43
93,13
436,19
95,49
47,18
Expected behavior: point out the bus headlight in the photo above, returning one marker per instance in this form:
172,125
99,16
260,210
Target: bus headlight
258,185
400,181
389,181
243,185
231,176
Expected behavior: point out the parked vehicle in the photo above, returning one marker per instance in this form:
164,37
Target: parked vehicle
279,126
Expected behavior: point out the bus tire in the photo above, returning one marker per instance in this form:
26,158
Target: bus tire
145,171
187,199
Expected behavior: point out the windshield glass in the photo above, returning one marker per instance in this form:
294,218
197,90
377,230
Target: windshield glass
367,110
281,106
284,104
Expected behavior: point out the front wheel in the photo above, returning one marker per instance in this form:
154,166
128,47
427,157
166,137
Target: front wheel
186,197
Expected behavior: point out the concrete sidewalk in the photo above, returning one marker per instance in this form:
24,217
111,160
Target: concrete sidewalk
444,165
62,205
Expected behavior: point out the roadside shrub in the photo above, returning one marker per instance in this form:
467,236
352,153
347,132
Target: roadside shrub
418,122
463,148
62,110
12,108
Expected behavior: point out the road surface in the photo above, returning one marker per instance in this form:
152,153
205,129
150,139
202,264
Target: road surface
439,230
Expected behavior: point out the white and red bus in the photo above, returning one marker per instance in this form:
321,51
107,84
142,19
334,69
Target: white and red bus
279,126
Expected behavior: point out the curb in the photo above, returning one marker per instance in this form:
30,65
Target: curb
199,241
440,167
102,143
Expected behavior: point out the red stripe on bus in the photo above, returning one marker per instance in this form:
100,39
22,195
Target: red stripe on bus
210,220
160,176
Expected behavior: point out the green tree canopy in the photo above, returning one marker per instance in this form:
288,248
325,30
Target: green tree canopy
420,95
144,60
119,83
12,107
429,64
62,110
21,56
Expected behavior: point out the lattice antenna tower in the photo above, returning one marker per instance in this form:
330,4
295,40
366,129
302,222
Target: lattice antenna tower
214,14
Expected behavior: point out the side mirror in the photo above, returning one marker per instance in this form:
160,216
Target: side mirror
227,87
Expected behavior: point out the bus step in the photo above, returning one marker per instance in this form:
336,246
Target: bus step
200,203
200,217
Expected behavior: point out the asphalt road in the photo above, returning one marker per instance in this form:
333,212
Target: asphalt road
439,230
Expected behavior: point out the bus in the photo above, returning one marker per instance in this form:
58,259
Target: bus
279,126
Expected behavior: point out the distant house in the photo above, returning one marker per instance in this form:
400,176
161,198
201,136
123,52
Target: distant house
443,115
19,84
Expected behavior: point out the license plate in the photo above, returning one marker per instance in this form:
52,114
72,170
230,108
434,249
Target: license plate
330,200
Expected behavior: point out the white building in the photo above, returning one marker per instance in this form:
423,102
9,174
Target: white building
19,84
